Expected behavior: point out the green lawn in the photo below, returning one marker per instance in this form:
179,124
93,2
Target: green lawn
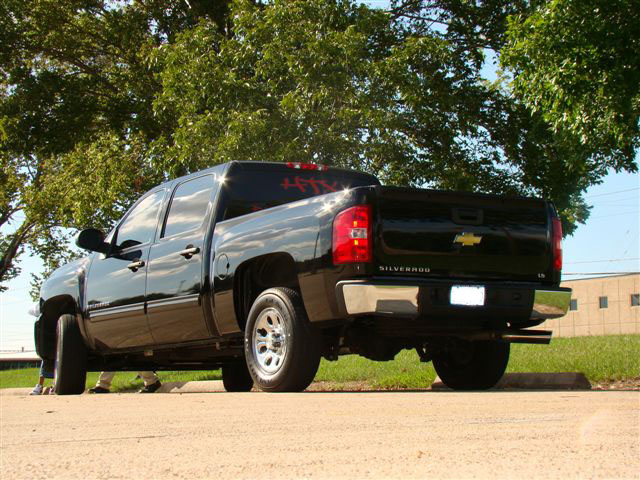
615,357
123,381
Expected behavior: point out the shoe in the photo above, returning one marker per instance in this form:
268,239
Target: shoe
37,390
98,390
150,388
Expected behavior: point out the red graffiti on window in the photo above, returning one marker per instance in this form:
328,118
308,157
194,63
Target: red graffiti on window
317,186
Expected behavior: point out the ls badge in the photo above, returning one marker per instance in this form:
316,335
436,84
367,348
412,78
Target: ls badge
467,239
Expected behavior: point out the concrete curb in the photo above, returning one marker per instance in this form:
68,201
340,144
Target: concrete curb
534,381
206,386
168,387
510,381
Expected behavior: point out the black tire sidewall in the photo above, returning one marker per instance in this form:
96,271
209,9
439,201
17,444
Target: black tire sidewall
298,368
485,368
70,370
236,377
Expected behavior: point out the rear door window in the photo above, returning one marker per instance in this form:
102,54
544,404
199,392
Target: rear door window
189,206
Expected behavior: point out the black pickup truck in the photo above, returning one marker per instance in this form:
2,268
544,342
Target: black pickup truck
260,269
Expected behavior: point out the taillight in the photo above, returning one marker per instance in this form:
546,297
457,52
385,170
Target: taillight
556,238
352,242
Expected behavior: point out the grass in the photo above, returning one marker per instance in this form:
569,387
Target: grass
123,381
606,358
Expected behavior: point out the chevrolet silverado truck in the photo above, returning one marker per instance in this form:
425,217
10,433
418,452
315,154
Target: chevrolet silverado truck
261,269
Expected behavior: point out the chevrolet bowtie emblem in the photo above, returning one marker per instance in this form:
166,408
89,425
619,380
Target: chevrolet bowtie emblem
468,239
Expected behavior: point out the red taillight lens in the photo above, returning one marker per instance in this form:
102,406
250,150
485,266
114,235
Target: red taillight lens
557,243
352,242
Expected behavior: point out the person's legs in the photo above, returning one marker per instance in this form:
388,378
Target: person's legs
45,372
149,378
37,390
46,369
105,379
151,382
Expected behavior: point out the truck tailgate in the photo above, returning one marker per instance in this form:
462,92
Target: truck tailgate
462,235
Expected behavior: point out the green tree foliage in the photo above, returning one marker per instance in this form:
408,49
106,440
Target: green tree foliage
76,105
578,65
385,92
101,99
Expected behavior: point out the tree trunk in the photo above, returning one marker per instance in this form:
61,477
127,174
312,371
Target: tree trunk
10,254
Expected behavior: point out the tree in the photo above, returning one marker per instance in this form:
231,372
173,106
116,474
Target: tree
384,92
76,95
101,99
577,64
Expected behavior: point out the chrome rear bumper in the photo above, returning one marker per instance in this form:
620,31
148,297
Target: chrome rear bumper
404,300
549,304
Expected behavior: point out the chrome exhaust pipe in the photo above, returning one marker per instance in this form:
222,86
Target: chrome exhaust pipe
512,336
526,336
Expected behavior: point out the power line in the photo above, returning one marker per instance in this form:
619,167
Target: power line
602,261
602,273
613,215
606,201
610,205
613,193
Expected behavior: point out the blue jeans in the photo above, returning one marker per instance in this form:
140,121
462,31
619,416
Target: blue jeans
46,368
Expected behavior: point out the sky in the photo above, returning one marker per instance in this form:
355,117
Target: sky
607,243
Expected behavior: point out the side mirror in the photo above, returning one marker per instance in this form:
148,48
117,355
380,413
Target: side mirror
92,240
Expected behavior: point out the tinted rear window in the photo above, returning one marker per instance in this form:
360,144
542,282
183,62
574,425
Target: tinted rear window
189,205
249,190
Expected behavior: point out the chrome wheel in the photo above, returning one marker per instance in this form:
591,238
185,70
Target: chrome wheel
281,348
269,341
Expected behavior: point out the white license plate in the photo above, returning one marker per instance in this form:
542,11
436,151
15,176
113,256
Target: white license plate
466,295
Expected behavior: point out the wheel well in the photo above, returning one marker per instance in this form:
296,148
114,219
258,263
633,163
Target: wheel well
257,275
51,310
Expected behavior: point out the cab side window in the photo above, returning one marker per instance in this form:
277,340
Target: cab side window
189,206
140,225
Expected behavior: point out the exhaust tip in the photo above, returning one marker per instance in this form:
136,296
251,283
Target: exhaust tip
527,336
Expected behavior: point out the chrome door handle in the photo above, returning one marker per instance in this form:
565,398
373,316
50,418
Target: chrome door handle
134,266
189,252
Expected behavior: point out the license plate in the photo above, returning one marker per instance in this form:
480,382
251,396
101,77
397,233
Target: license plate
466,295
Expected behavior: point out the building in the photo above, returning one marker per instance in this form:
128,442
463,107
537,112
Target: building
15,360
600,306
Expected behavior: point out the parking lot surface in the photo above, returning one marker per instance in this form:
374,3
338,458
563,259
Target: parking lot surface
560,434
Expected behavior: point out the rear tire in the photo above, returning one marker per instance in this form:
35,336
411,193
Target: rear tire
472,365
70,373
281,347
236,377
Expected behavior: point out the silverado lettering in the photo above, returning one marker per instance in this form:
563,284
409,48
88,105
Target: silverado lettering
384,268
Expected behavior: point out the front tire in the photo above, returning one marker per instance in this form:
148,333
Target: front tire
236,377
281,347
70,373
472,365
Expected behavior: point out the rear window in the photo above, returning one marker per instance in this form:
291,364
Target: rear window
251,189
